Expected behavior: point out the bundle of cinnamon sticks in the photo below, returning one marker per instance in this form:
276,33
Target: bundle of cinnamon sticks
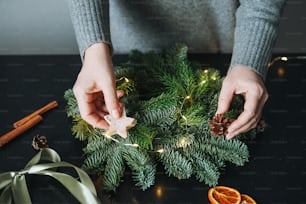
26,123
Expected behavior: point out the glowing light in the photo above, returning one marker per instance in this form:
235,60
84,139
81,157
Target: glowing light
160,150
183,142
206,71
124,78
280,71
214,78
184,117
203,82
159,192
187,97
284,58
277,59
108,136
132,145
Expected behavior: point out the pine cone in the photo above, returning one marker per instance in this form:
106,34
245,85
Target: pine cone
219,124
39,142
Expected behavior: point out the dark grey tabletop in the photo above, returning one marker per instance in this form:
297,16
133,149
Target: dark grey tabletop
276,172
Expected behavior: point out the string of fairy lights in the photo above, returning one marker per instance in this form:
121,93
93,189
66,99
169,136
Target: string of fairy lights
285,59
207,75
205,78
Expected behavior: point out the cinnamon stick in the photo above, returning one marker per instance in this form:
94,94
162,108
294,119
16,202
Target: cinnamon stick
4,139
40,111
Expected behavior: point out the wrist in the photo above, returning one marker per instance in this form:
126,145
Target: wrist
99,50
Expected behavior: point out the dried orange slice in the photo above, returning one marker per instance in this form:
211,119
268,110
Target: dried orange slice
246,199
223,195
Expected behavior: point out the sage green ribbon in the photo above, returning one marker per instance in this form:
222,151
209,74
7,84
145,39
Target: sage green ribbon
14,183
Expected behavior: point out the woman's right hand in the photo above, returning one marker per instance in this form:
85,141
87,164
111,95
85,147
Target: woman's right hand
95,87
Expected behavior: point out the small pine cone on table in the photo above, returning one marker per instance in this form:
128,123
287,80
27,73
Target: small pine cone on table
39,142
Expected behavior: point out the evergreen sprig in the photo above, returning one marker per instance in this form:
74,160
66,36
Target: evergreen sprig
143,167
176,164
172,99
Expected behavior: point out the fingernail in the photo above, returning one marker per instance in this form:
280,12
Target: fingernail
115,113
231,128
228,137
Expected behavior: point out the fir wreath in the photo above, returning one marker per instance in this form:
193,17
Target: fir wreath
173,123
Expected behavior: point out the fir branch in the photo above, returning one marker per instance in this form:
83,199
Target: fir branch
205,170
174,56
97,151
203,129
125,84
206,86
172,103
142,166
173,85
97,142
95,162
175,164
72,109
163,101
143,135
81,129
186,76
236,107
184,140
212,105
233,150
158,117
114,169
193,115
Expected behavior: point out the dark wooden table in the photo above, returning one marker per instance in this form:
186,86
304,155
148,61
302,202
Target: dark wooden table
276,172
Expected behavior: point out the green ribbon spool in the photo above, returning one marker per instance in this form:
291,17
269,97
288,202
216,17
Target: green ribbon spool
13,184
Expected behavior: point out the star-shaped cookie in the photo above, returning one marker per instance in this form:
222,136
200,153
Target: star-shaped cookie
120,125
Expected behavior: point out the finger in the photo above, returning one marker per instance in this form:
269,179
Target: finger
252,123
111,100
90,114
87,107
84,102
263,102
225,98
120,93
247,119
100,104
242,129
97,121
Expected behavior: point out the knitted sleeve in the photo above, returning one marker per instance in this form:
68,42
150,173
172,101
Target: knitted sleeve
256,33
90,19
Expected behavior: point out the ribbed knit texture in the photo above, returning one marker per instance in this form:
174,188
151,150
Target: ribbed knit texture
256,33
249,34
90,19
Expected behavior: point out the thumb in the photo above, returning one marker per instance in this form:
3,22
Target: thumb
225,99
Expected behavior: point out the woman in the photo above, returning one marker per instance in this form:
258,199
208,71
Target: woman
247,28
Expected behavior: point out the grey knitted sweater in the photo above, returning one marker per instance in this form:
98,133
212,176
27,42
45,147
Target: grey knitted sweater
245,28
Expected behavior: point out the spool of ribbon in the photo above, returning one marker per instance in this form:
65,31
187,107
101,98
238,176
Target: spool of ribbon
13,184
